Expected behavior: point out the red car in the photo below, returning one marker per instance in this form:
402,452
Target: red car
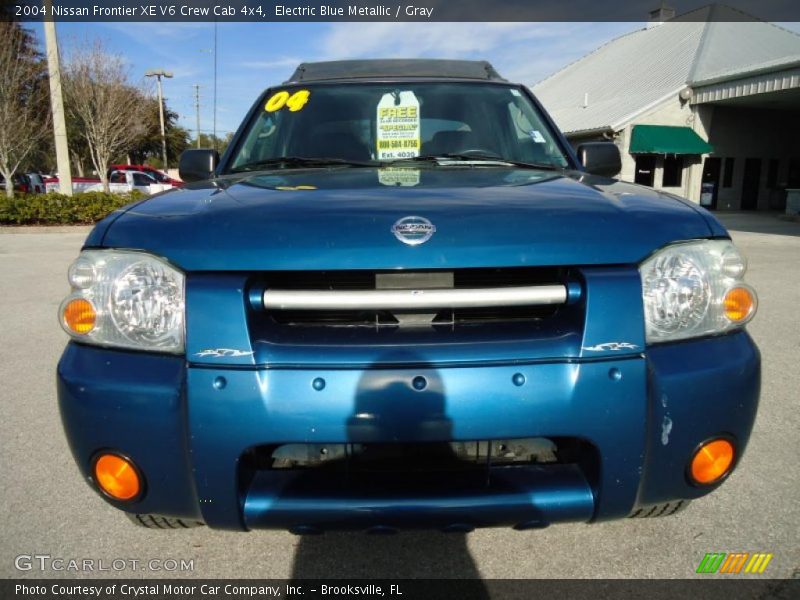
160,176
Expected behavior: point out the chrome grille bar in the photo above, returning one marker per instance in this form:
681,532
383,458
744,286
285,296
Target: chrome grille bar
414,299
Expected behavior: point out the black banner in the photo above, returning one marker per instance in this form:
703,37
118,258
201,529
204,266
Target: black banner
392,10
707,588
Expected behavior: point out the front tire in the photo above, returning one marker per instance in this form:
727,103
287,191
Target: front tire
666,509
159,522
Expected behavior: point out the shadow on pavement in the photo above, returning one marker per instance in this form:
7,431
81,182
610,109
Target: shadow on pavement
773,223
389,407
407,555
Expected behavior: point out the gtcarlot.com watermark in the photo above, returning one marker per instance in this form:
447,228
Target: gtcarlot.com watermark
46,563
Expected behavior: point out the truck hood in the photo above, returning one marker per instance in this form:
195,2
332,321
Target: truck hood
341,218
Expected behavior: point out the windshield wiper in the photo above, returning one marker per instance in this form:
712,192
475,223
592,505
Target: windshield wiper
485,158
301,161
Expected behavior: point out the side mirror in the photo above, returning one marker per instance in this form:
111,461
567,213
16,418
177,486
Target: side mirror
600,158
198,164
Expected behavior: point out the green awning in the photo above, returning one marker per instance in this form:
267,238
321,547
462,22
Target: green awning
662,139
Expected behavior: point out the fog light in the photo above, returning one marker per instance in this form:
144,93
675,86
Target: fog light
712,461
79,316
740,304
117,476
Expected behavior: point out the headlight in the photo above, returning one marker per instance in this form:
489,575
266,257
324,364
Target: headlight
125,299
695,288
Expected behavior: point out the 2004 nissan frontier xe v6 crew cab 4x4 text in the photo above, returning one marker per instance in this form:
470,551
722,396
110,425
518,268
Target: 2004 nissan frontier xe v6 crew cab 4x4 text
401,300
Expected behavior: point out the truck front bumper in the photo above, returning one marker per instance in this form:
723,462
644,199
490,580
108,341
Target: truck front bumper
187,427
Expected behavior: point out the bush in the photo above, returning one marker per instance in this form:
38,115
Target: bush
57,209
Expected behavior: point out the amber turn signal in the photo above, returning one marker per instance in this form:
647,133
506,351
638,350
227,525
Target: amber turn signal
739,303
117,477
79,316
712,461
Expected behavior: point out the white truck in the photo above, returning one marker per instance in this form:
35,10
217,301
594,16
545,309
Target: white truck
119,182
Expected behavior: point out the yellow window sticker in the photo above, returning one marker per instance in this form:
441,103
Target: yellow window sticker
294,102
398,134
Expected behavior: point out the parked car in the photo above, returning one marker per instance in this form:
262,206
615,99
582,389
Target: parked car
119,182
21,183
36,182
127,181
79,184
401,300
159,176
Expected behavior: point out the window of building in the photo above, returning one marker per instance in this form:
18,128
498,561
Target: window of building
772,173
645,169
727,178
793,174
673,171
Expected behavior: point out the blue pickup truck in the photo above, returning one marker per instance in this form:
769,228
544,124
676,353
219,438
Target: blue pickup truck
402,300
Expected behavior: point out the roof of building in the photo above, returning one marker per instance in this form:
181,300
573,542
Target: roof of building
391,68
607,88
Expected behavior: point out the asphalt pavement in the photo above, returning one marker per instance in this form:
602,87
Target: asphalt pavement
47,509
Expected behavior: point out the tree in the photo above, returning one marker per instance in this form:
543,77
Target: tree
108,110
23,116
79,154
148,148
207,141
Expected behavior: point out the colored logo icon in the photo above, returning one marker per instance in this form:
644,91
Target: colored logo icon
734,563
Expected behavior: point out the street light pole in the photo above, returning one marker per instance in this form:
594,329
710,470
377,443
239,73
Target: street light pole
158,74
57,107
215,85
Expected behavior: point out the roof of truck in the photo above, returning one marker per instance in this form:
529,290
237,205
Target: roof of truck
395,68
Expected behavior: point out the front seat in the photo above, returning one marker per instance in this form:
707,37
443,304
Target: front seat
339,145
450,142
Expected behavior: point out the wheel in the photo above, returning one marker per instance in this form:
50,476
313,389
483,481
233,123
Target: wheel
159,522
652,511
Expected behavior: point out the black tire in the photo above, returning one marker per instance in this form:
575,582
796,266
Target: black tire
659,510
159,522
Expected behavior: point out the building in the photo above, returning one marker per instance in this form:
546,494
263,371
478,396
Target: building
705,105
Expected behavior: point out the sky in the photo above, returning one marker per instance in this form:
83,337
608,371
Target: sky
254,56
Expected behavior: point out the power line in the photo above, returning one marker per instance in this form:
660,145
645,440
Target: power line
197,110
158,74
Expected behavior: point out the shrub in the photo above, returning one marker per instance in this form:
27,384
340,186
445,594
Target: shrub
57,209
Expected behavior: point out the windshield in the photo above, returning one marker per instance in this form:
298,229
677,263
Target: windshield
157,175
377,122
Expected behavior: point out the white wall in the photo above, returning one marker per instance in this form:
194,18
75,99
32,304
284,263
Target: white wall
736,132
671,112
675,113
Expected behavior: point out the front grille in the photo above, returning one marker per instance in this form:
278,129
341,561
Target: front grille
441,318
334,318
417,457
366,280
380,318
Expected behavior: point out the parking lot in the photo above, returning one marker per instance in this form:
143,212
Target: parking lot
48,509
